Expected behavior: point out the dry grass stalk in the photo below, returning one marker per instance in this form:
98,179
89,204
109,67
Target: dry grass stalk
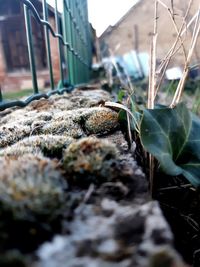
152,86
123,107
173,50
172,17
180,88
152,75
127,85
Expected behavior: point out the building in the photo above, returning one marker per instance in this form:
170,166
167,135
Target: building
133,32
14,60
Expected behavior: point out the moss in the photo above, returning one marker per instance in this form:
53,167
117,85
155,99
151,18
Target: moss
13,132
165,258
13,259
19,125
47,145
101,121
63,127
31,201
89,160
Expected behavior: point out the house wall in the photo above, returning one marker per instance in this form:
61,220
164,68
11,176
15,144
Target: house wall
21,79
121,38
2,62
54,53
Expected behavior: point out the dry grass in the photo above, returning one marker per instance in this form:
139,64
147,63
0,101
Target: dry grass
157,74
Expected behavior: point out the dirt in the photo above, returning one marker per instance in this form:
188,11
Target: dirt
72,193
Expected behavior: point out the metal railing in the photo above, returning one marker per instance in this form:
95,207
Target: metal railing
75,37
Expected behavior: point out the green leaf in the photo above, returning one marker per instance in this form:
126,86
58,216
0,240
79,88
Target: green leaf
121,95
172,136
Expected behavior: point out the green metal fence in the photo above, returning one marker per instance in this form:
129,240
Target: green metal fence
73,35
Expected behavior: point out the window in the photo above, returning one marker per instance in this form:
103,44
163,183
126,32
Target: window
15,44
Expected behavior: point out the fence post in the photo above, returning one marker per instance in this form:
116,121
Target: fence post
1,96
30,48
59,43
48,48
69,38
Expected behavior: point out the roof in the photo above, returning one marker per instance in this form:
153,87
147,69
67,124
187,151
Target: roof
110,28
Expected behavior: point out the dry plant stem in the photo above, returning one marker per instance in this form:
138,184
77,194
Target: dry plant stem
171,14
165,63
129,123
164,68
129,88
123,107
170,53
152,87
151,173
172,7
117,70
152,75
129,129
180,88
182,31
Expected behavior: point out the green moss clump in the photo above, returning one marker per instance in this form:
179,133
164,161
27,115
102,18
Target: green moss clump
90,160
13,259
31,200
101,121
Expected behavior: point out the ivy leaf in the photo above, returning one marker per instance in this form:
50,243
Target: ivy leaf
172,137
190,158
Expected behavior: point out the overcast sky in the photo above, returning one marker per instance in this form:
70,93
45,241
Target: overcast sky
103,13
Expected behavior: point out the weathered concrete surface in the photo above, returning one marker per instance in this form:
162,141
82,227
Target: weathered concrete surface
67,169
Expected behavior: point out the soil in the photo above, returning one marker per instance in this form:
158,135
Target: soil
72,193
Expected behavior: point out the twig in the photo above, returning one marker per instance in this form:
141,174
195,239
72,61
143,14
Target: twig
89,193
182,31
181,84
171,14
152,87
165,63
175,187
152,75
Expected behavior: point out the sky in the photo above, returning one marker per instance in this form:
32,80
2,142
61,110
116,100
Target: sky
103,13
